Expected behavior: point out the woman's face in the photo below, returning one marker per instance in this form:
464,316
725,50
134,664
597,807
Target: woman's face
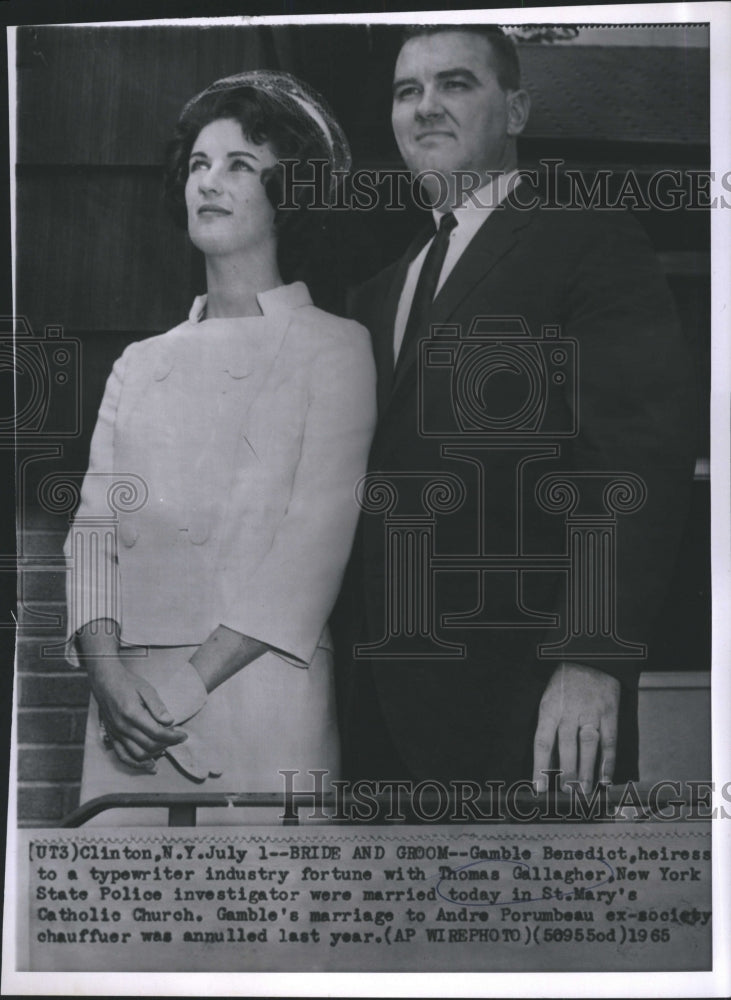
228,209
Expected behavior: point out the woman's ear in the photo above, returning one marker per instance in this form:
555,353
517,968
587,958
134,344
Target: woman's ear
302,183
518,102
273,180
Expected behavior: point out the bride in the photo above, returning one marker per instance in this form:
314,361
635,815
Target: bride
203,623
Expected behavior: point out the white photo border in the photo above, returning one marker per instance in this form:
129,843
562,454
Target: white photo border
715,983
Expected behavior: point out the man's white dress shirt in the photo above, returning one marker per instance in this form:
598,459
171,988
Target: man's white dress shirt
470,216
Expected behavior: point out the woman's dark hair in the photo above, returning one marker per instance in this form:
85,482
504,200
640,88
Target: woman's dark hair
262,119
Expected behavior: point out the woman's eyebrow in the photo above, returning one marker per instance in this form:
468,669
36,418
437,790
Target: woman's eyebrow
241,152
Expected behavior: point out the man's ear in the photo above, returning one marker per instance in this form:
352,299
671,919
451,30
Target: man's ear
518,102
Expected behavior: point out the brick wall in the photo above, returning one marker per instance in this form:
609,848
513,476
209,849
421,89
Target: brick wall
52,696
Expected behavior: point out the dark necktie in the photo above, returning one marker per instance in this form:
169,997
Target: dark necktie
418,321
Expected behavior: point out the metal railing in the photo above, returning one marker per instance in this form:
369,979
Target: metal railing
607,804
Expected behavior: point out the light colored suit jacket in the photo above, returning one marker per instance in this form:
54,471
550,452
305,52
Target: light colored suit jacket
242,441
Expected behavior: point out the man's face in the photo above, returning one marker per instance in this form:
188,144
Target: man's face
449,111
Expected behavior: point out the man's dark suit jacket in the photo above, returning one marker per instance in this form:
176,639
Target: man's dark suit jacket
596,277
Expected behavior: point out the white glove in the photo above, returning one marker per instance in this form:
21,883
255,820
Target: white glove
184,694
194,759
181,689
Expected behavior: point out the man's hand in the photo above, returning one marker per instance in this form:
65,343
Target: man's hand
137,721
581,705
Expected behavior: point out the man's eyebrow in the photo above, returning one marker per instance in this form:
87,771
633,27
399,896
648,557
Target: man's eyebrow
457,71
443,74
403,82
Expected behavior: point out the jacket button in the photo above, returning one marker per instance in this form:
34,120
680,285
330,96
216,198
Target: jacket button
162,369
238,369
128,533
198,529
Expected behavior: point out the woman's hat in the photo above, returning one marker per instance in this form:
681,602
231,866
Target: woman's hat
295,97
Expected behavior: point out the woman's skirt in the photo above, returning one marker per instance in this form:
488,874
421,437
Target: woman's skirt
269,717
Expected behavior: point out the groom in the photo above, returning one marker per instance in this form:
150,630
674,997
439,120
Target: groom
448,676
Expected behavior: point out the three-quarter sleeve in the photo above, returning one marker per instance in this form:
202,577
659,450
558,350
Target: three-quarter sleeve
92,574
286,598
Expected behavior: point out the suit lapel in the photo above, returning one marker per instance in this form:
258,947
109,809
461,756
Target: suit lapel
383,336
383,340
500,232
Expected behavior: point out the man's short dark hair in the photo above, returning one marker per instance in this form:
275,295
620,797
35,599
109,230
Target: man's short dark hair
505,54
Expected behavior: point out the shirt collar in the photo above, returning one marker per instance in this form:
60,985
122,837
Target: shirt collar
274,301
474,210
